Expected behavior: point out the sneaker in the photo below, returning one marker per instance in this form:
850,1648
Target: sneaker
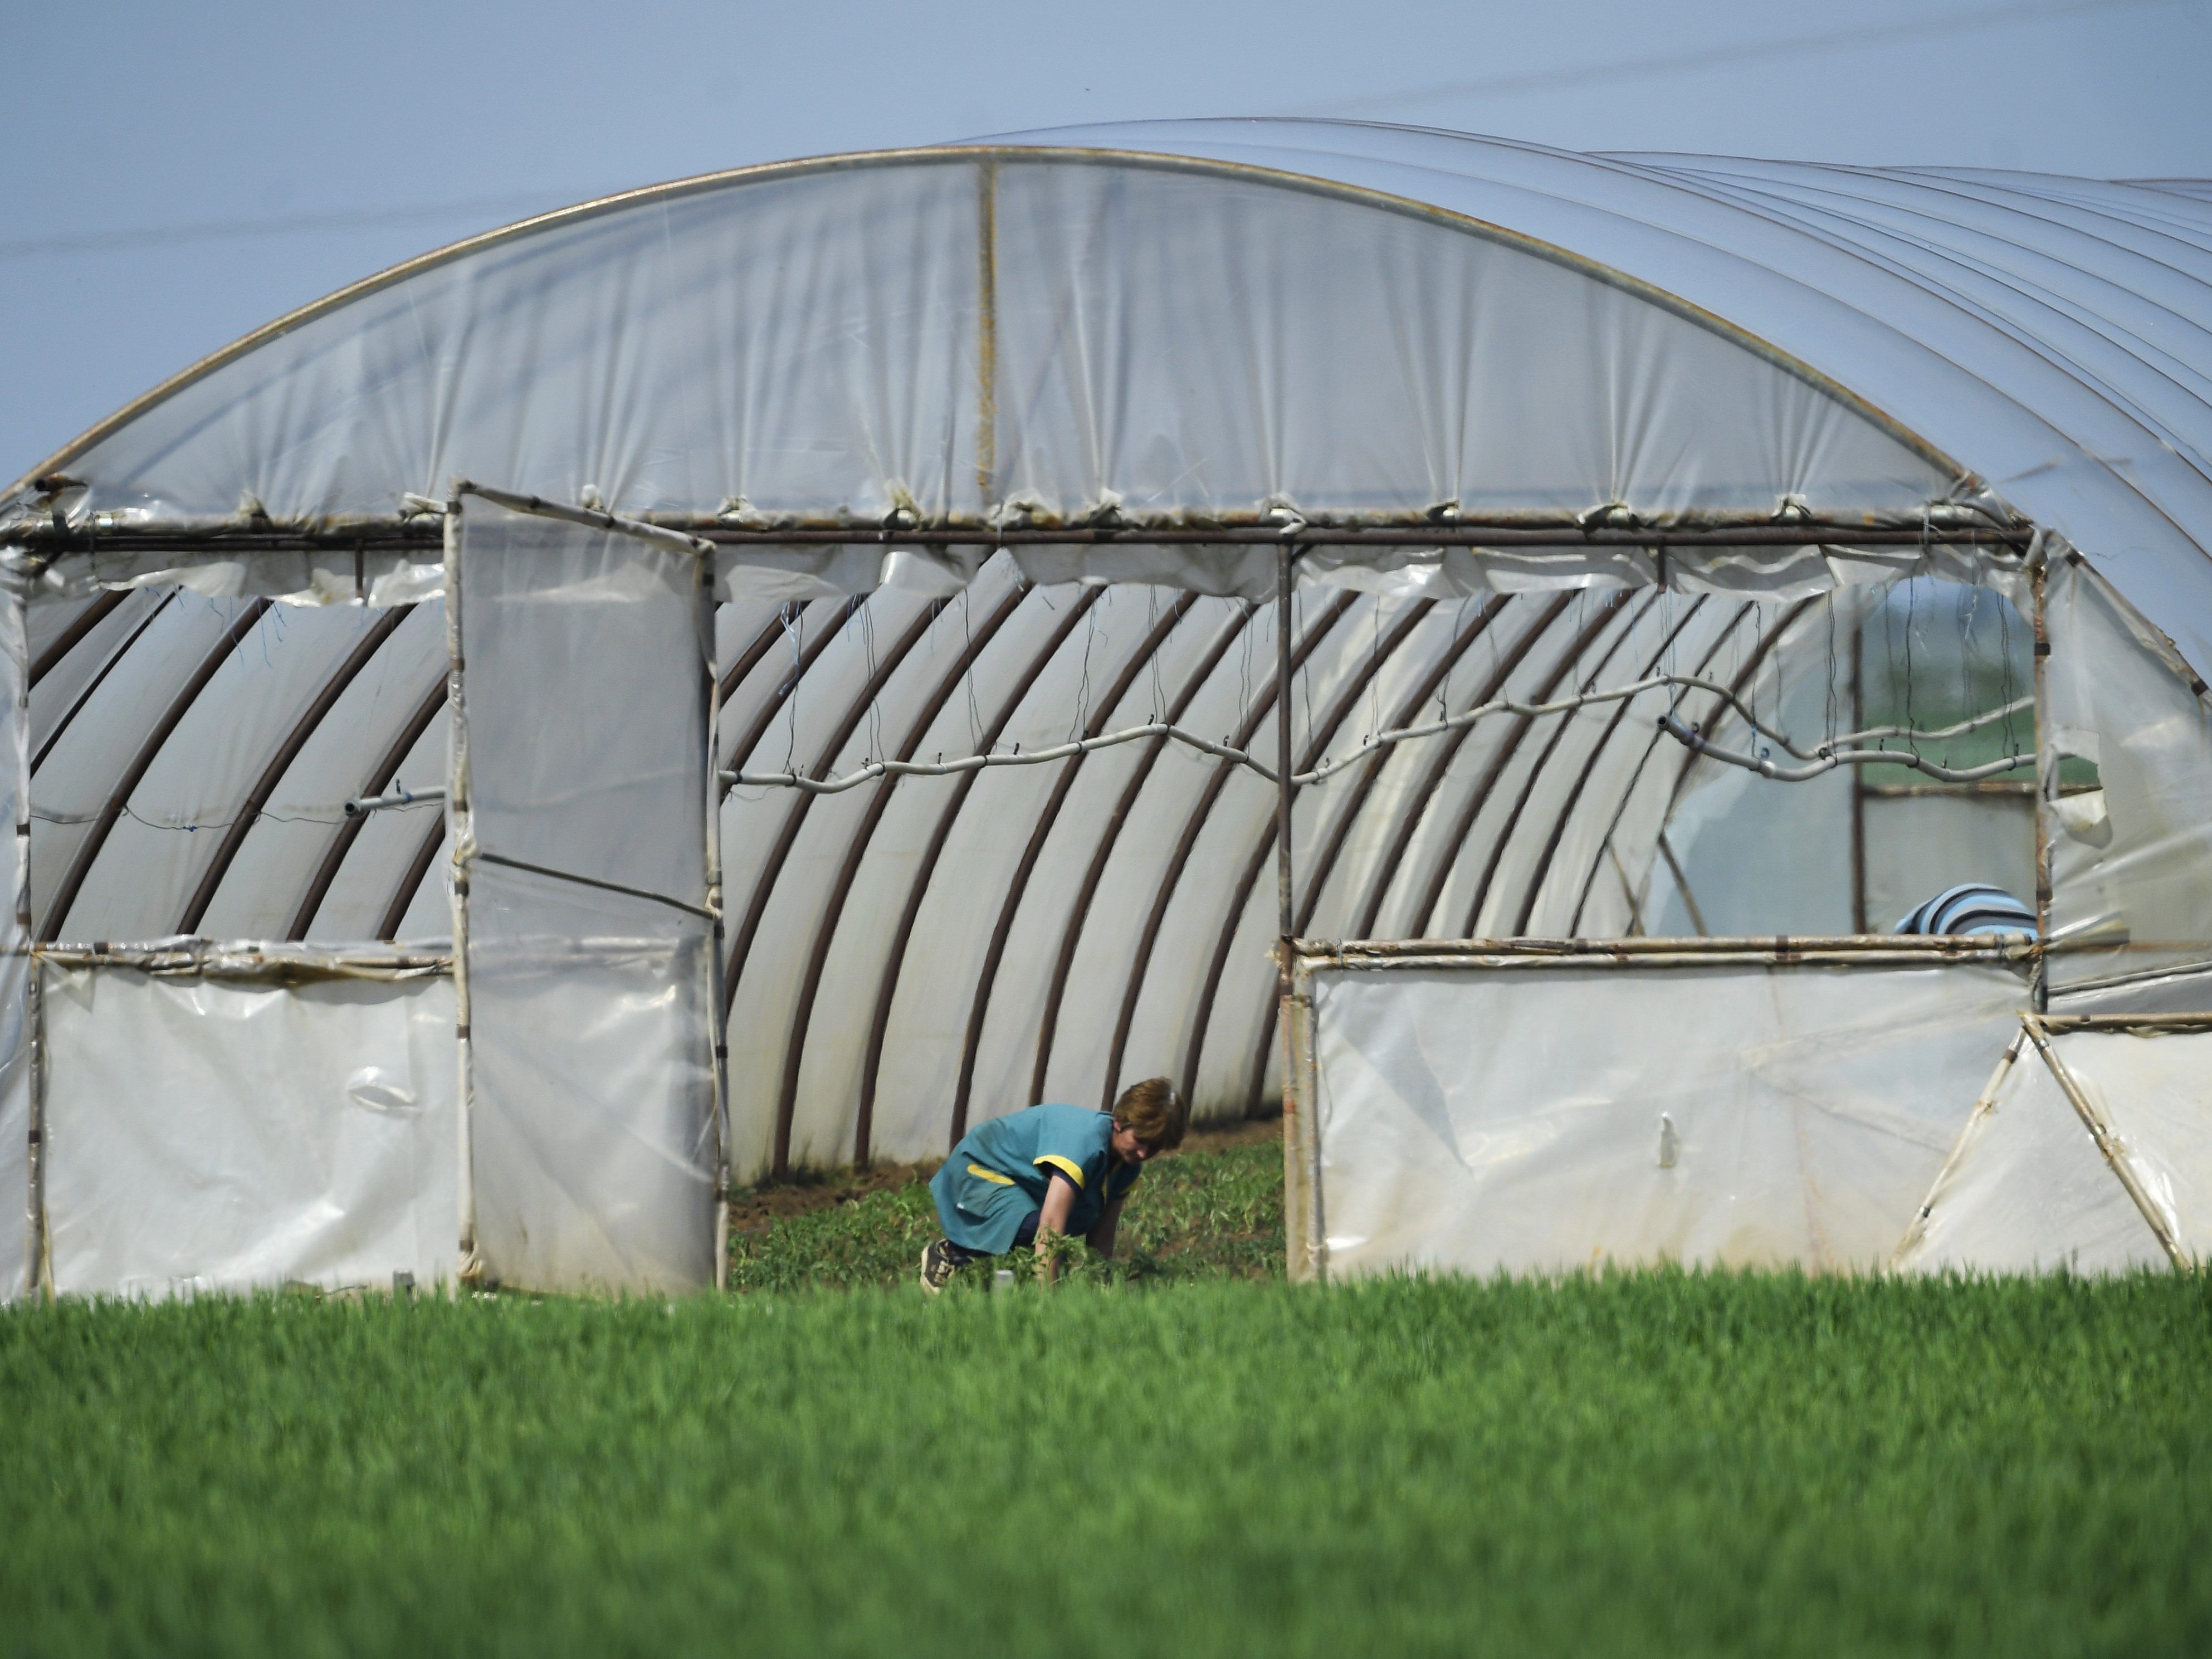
938,1265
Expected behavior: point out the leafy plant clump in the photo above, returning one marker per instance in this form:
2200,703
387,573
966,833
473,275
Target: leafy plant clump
1210,1211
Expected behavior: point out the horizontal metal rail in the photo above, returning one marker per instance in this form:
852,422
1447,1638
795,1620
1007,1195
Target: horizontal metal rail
1376,952
591,517
2143,1024
418,529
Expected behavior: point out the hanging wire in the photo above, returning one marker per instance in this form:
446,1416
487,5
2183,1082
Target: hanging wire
875,697
1244,668
1305,670
1912,617
2008,677
1828,701
794,628
967,674
1374,678
1459,631
1152,622
1082,685
1967,611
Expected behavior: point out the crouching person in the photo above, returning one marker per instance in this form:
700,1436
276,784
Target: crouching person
1045,1172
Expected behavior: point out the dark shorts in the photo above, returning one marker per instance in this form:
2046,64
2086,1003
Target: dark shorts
1024,1236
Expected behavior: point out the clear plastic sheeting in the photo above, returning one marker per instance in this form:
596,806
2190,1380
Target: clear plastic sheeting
817,339
581,749
586,741
592,1120
2184,988
2131,862
1540,1117
216,1134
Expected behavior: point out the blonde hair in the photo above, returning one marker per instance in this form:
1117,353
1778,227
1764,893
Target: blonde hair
1155,1110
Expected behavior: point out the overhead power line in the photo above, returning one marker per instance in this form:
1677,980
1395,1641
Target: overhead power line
1747,52
518,204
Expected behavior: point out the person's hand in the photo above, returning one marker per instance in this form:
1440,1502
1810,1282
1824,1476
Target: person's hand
1053,1247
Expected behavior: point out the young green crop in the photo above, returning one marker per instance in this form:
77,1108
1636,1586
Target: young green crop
1649,1463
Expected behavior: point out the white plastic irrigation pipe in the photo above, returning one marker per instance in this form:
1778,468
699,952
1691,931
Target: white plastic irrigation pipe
1821,758
1825,758
1828,760
361,803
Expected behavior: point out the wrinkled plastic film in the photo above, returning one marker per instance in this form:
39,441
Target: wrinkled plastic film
1163,341
2152,1092
1544,1119
592,1109
2132,861
2026,1190
223,1135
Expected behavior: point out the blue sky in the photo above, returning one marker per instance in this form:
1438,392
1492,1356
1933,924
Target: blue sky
179,174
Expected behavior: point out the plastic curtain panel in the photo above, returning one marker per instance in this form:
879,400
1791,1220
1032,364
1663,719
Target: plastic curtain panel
211,1134
1545,1118
2132,861
17,1228
2090,1152
580,750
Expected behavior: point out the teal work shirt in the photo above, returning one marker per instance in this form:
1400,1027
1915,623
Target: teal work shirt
1000,1171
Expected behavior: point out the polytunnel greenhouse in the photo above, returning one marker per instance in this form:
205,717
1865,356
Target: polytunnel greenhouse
1471,646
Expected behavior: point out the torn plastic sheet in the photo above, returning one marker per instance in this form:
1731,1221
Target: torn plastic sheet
210,1132
1810,1107
767,572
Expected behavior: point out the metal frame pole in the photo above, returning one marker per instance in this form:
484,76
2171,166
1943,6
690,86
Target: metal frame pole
2046,779
717,1030
38,1263
1285,914
1294,1170
1858,776
37,1269
461,831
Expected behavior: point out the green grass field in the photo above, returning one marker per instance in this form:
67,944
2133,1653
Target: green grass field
1172,1460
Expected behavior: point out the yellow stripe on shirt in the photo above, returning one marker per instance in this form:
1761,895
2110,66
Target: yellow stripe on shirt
991,1176
1068,1167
